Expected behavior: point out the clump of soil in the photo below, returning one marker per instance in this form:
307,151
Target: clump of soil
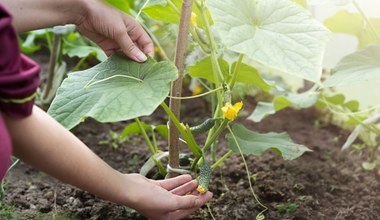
323,184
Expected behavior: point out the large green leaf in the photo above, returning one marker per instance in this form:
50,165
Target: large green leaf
276,33
247,73
354,24
117,89
251,142
361,66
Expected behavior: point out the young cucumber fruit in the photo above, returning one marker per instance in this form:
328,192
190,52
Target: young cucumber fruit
205,126
204,177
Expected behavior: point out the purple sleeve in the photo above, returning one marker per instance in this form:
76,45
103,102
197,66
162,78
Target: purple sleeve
18,74
18,83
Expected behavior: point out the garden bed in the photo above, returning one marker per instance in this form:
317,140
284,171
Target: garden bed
323,184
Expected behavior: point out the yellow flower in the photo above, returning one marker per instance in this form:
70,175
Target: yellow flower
201,189
197,90
193,19
230,111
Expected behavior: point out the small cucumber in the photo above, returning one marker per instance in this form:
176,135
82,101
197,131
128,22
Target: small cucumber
205,126
204,177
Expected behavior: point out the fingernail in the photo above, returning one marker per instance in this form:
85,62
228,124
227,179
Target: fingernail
140,56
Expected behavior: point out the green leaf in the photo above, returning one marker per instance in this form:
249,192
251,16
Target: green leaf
133,129
345,22
167,13
163,12
162,130
262,110
251,142
30,44
301,100
361,66
354,24
122,5
77,46
276,33
115,90
85,51
247,73
369,165
203,69
250,75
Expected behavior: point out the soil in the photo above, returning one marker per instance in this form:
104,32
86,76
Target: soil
323,184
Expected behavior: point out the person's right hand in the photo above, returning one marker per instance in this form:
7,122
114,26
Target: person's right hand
168,199
114,30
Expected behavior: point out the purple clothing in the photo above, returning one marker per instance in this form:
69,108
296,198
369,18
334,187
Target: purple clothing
18,80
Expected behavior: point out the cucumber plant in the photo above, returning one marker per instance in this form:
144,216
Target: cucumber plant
231,43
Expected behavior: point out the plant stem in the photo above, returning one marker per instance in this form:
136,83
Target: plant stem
221,160
375,33
248,173
213,53
194,148
176,89
151,147
79,64
56,48
236,71
214,136
146,138
197,96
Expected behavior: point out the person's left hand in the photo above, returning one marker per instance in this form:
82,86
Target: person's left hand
114,30
168,199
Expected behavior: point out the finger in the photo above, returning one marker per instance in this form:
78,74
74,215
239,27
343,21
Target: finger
185,188
128,47
191,201
139,36
173,183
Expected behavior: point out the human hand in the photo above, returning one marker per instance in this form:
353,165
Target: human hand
168,199
114,30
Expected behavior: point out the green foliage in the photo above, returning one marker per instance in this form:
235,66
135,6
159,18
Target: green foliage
169,11
28,42
255,143
275,33
117,89
77,46
301,100
123,5
9,212
247,74
361,66
354,24
114,140
284,207
134,129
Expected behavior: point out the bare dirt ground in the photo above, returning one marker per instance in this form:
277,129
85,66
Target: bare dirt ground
323,184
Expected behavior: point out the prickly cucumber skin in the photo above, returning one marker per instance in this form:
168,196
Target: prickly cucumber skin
204,177
205,126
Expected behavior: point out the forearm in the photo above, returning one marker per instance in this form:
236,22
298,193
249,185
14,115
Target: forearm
43,143
35,14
